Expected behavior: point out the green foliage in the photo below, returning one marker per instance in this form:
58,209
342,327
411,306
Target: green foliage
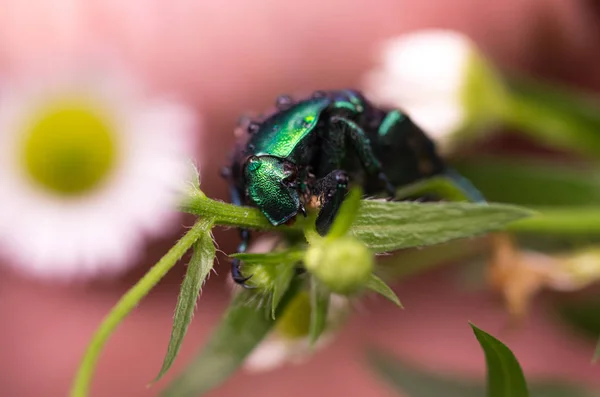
504,375
198,269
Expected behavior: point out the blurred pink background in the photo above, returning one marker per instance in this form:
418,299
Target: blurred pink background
229,57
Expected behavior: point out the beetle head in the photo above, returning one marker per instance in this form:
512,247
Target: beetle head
270,185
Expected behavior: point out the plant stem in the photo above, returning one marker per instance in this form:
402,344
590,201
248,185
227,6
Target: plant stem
226,214
129,301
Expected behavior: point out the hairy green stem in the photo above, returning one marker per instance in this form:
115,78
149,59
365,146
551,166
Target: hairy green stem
226,214
128,302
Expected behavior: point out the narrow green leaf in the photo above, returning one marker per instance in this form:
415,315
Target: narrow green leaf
560,221
504,375
409,381
582,316
378,285
346,214
416,260
555,116
243,327
198,269
285,275
440,186
128,302
388,226
271,258
533,182
319,307
195,175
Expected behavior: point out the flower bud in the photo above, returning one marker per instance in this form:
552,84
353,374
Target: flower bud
344,265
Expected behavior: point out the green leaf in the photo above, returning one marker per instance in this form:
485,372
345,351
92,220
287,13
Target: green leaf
271,258
388,226
128,302
195,175
416,260
378,285
319,307
243,327
560,221
582,316
439,186
504,375
346,215
533,183
285,275
409,381
555,116
198,269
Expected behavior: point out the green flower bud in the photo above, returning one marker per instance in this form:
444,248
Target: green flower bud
344,264
263,276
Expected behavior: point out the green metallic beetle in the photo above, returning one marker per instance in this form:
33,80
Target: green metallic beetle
315,147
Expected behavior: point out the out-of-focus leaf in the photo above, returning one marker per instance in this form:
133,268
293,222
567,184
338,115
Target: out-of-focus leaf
560,221
438,186
409,381
346,215
582,315
504,375
285,275
198,269
555,116
270,258
539,183
378,285
243,327
413,261
319,307
388,226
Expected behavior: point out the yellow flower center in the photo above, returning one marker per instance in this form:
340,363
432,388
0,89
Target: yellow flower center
69,148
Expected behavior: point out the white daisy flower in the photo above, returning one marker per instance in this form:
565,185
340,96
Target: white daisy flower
289,342
89,167
440,79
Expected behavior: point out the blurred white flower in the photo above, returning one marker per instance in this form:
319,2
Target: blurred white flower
289,342
90,165
440,79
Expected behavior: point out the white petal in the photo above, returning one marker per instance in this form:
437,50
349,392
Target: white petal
102,232
424,73
270,354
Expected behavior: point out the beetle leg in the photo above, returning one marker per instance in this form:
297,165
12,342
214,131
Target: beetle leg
361,144
236,266
332,189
